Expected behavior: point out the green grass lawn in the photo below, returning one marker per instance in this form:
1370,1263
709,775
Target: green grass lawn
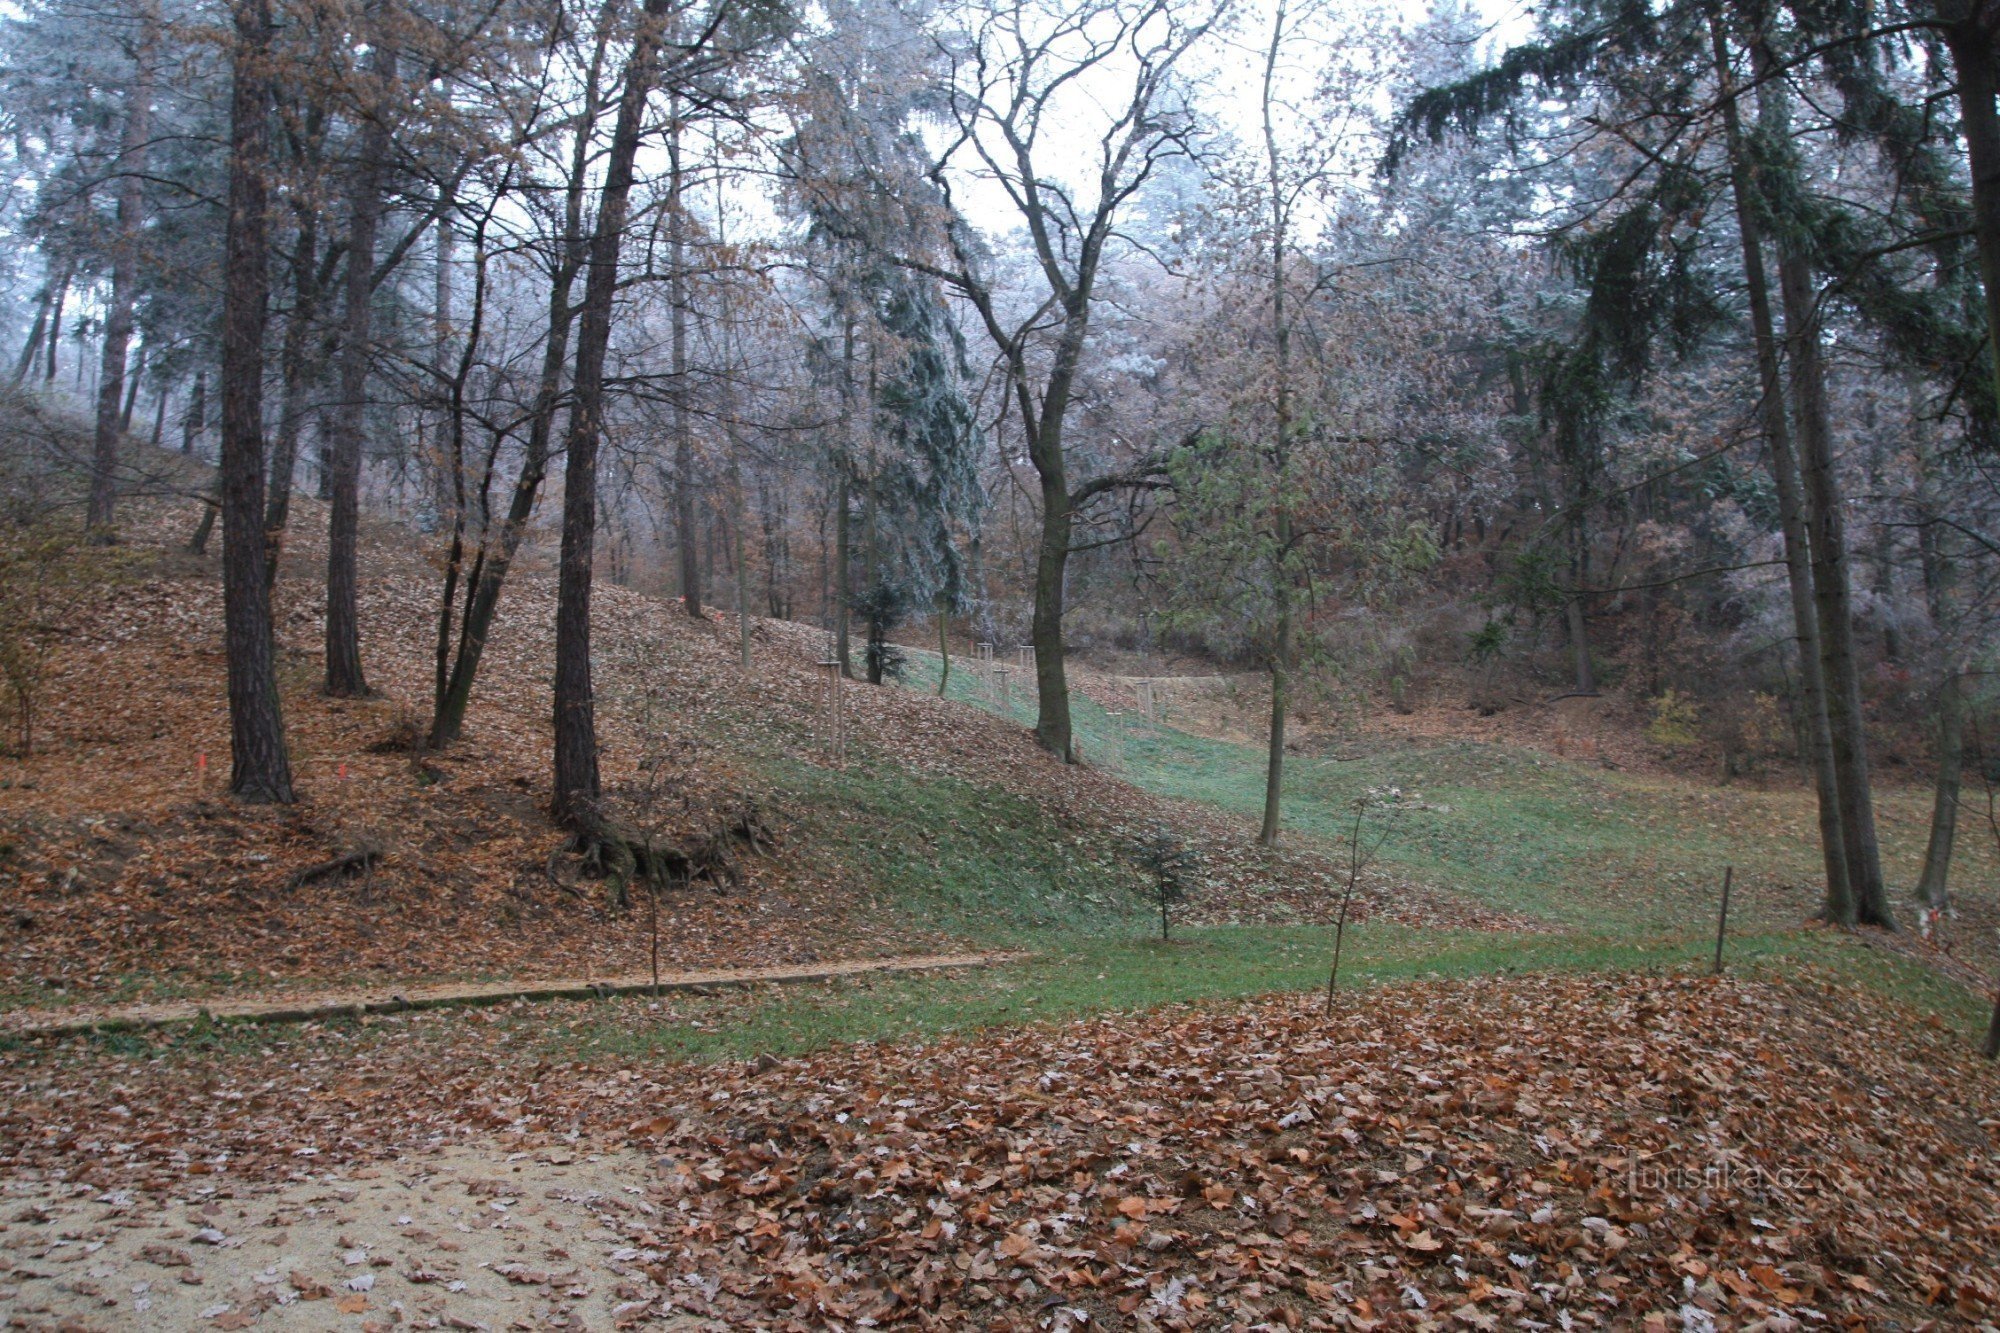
1623,871
1576,845
1132,972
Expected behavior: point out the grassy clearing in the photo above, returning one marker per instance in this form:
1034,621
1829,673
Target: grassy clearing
1577,845
1625,870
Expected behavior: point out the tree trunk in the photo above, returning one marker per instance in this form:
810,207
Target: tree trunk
1934,884
842,575
944,646
55,324
1784,473
1281,404
195,423
344,678
1274,756
260,768
1975,55
160,415
1826,527
455,501
1578,625
444,481
1847,724
132,391
1052,719
204,528
677,301
489,576
298,369
577,785
36,331
124,290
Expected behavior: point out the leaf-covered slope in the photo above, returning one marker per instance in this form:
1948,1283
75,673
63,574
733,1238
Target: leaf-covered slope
127,870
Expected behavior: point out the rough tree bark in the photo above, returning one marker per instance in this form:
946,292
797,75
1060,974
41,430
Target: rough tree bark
260,769
578,794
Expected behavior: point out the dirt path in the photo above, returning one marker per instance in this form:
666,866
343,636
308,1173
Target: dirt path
395,999
471,1237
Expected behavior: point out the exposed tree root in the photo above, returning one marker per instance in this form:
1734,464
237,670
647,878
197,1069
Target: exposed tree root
361,859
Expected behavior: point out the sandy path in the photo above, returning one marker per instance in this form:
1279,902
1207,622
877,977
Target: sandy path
466,1238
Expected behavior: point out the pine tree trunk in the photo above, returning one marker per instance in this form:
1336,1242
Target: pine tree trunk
1859,895
344,677
260,769
110,431
1818,737
578,791
1826,527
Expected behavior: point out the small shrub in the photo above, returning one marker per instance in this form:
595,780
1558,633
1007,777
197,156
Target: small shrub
1674,722
1169,867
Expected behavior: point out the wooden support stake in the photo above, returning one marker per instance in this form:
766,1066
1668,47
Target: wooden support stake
1991,1050
1722,922
653,881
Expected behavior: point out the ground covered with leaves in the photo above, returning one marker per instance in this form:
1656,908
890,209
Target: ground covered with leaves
1545,1150
124,870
